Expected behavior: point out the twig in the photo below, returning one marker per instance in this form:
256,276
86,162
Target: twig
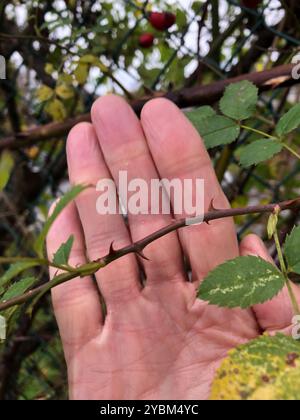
139,246
187,97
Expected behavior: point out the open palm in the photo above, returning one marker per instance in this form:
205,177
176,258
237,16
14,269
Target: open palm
157,341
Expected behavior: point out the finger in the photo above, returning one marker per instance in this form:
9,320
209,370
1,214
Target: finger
179,152
119,281
76,303
125,149
276,314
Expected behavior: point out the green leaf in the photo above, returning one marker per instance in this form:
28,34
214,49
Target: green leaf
2,328
16,269
6,167
63,202
18,288
242,282
199,113
62,256
289,121
239,100
217,130
267,368
259,151
292,250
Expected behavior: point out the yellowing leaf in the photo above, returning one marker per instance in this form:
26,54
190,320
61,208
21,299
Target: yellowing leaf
44,93
81,73
102,67
6,167
267,368
272,225
56,110
64,91
49,68
33,152
88,59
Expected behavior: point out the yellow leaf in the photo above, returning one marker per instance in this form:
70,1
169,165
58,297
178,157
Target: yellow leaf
102,67
6,167
33,152
81,73
267,368
49,68
44,93
56,110
88,59
65,78
64,91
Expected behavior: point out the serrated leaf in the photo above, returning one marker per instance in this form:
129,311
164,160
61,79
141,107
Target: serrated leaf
18,288
217,130
292,250
63,202
56,109
6,166
198,114
267,368
62,256
289,121
242,282
259,151
16,269
2,328
65,91
44,93
239,100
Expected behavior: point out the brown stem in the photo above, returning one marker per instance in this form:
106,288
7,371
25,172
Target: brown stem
139,246
187,97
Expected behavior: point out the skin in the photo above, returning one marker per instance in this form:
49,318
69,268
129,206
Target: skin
157,341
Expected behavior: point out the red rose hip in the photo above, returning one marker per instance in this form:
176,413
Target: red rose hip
162,21
146,40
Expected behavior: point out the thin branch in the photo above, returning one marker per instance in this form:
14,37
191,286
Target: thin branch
139,246
187,97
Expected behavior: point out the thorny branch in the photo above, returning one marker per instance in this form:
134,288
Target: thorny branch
187,97
139,246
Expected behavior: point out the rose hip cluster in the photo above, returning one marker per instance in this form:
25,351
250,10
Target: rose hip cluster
160,21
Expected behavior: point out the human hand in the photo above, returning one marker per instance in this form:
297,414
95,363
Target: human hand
156,341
